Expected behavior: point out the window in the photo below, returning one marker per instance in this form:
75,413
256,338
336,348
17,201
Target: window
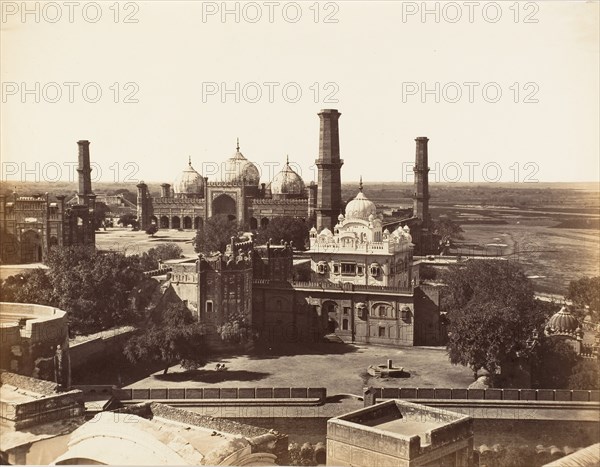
345,324
381,331
347,310
405,314
336,268
375,270
209,306
348,269
382,311
360,270
321,267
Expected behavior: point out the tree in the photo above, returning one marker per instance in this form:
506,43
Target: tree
553,363
585,375
491,313
150,259
152,229
215,234
236,330
30,287
172,337
128,220
288,229
447,230
585,294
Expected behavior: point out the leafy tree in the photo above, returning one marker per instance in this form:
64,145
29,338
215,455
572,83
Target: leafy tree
553,363
152,229
288,229
236,329
170,250
172,337
491,313
585,375
215,234
100,214
447,230
128,220
30,287
585,292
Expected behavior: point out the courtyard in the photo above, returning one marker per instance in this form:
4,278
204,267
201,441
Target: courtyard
341,368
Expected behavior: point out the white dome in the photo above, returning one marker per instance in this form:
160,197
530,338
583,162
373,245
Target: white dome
360,207
237,168
189,182
287,182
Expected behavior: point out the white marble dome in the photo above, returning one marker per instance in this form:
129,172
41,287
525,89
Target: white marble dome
237,169
360,207
287,182
190,182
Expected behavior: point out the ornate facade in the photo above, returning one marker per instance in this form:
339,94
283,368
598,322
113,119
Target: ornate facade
31,225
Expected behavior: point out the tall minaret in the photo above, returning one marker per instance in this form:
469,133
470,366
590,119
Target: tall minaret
421,169
329,193
85,170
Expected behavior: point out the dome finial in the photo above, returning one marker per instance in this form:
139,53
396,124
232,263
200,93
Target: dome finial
360,185
190,161
238,145
287,159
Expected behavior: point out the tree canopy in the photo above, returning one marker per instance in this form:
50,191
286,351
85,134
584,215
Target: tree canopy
585,292
172,337
170,250
491,313
93,287
288,229
215,234
447,230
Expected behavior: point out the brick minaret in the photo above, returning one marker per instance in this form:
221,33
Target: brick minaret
143,215
421,169
85,170
329,193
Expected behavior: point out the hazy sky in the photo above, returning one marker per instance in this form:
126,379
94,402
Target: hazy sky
370,60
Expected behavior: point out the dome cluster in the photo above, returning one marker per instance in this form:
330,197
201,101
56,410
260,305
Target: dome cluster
190,182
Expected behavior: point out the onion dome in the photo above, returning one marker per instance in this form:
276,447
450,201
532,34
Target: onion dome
287,182
563,323
189,182
360,207
238,168
326,232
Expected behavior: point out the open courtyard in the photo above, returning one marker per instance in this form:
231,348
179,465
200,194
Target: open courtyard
341,368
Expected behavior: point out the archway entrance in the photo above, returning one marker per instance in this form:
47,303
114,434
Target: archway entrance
330,309
31,247
164,222
224,204
187,222
175,222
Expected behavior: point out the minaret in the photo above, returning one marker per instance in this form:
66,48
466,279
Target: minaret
329,193
85,170
421,170
143,216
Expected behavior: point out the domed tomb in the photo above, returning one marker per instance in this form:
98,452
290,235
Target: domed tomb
189,184
287,183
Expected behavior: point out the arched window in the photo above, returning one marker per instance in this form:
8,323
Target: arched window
345,324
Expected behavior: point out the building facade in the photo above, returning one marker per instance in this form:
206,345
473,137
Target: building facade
31,225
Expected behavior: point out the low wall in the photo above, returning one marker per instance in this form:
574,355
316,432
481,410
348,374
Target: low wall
85,349
567,395
220,393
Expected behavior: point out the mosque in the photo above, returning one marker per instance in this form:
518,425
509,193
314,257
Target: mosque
356,282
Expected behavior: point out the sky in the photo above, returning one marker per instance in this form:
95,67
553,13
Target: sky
505,91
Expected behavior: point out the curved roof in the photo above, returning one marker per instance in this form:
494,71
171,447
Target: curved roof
239,169
287,182
189,182
360,207
562,323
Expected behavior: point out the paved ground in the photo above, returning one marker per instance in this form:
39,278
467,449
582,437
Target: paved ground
129,242
338,367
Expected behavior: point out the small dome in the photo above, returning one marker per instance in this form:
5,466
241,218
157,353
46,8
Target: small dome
237,168
562,323
189,182
326,232
287,182
360,207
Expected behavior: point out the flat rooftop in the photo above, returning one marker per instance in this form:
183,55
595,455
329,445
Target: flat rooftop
13,394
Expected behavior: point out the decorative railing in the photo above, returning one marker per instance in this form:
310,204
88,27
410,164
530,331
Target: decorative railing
344,287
